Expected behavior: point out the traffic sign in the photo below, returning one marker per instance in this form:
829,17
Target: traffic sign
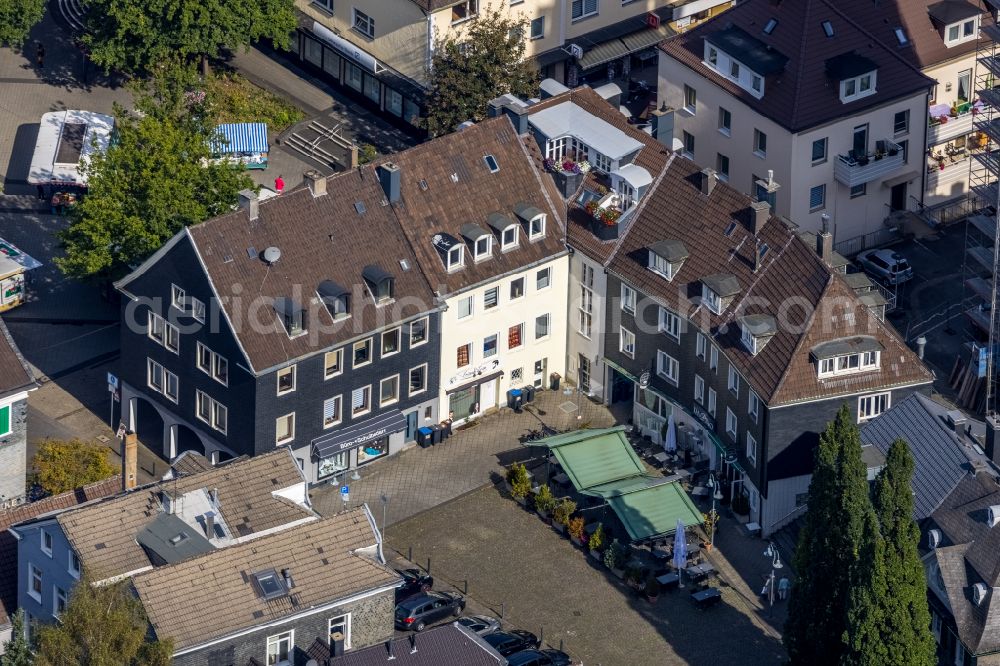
112,382
344,493
121,431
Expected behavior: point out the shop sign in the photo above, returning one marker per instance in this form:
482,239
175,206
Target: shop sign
471,372
702,416
363,439
359,56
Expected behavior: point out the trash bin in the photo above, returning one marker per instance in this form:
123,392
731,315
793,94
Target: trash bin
528,392
436,436
425,436
554,381
445,429
514,399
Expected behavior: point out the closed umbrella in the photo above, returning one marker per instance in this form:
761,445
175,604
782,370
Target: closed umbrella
680,552
670,442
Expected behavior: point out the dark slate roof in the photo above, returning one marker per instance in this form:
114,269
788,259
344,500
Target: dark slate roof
671,250
749,50
802,95
952,11
15,376
849,65
171,539
19,514
446,645
939,454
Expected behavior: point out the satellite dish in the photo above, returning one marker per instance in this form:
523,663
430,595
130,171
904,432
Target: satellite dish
271,255
644,379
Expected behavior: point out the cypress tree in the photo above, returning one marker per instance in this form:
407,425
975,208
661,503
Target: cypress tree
864,640
17,652
826,557
906,632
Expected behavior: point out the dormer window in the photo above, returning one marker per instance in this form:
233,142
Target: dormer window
509,237
291,315
480,239
336,298
847,356
717,291
961,32
456,258
505,228
756,331
979,593
380,284
711,300
728,52
450,249
536,228
533,218
666,258
855,74
484,248
858,87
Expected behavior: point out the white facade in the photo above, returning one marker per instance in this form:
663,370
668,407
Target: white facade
588,286
507,333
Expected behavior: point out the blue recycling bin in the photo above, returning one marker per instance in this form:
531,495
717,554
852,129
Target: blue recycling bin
425,436
514,399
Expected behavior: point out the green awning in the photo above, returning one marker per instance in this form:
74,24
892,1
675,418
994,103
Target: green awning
602,53
592,457
653,510
643,39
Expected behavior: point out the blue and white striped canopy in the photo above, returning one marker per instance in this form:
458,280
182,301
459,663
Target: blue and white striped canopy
241,138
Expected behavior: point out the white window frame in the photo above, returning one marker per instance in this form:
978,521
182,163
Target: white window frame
628,299
699,389
409,385
725,121
667,367
581,9
536,228
368,391
733,383
171,338
362,23
337,404
470,302
713,360
289,370
842,365
345,619
873,405
214,409
512,244
660,266
690,99
960,27
427,326
337,354
154,322
455,258
496,300
751,450
749,340
711,299
178,297
71,559
712,401
701,346
33,573
277,639
198,309
626,342
510,289
547,272
547,317
732,423
371,353
482,254
757,142
399,342
43,533
670,324
753,406
291,431
858,87
390,401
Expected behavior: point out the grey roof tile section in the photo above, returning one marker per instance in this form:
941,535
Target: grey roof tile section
169,539
447,645
723,284
671,250
749,50
760,324
939,454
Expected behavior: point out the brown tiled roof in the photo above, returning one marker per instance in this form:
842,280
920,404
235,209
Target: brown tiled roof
190,462
18,514
104,533
925,47
472,195
14,373
214,595
653,157
791,272
445,645
802,95
320,238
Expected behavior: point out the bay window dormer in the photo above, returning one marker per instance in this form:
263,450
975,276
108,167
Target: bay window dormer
718,291
855,74
738,56
957,20
847,356
666,257
756,331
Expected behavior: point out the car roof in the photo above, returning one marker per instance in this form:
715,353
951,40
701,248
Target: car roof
418,599
522,656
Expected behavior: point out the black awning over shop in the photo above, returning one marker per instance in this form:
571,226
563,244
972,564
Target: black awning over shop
359,434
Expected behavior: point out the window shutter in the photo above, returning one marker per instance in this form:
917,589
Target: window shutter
330,409
4,420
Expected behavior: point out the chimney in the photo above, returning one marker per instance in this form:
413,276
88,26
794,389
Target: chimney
337,645
249,202
209,524
708,181
992,445
756,255
316,182
413,643
213,496
168,502
663,125
289,581
761,214
389,177
824,240
519,116
130,461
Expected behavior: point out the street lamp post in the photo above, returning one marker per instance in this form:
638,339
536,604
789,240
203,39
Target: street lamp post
716,489
772,552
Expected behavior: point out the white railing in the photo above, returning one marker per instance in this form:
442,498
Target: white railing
854,170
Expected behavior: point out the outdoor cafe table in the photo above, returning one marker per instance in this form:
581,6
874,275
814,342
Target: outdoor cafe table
661,457
669,581
561,478
700,570
707,597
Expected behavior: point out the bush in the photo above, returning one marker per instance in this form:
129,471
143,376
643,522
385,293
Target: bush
233,99
61,466
575,528
544,501
596,541
366,153
520,482
614,556
563,510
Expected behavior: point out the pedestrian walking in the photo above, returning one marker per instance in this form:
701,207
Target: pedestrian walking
40,56
279,184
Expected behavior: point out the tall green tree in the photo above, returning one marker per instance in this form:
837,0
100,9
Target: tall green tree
17,18
61,466
103,625
868,602
471,66
16,651
135,35
829,546
155,179
906,632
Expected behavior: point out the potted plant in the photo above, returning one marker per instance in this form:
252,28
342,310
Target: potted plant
575,529
614,558
520,482
544,503
596,542
564,508
741,505
893,151
652,589
711,522
635,577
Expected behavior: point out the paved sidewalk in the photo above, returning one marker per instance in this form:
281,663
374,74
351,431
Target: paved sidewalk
420,479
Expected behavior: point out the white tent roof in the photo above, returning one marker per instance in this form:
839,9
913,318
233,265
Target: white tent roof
634,175
45,168
568,119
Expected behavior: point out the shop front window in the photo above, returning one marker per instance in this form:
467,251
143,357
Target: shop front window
333,464
411,111
354,76
463,402
393,102
313,52
373,450
373,89
331,63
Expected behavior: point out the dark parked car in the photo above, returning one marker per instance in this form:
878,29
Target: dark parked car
417,612
480,624
414,582
539,658
509,642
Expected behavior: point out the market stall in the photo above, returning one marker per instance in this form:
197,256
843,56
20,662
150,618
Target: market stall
13,265
242,143
66,141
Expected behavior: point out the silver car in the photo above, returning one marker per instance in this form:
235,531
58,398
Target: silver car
888,266
480,624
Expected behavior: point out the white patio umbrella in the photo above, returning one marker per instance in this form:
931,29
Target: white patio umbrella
680,552
670,441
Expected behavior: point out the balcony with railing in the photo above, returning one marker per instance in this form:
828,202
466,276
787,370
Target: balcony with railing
853,169
950,121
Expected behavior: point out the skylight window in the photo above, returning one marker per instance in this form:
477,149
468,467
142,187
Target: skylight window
492,163
771,25
359,206
828,28
271,585
730,229
901,37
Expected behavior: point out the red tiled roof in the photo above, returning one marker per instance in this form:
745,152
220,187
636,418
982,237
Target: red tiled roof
803,95
19,514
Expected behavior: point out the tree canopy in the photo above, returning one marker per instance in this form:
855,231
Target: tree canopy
471,66
103,625
17,18
134,36
16,651
155,179
62,466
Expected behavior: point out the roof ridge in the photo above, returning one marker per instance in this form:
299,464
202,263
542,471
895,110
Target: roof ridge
875,39
802,337
758,276
799,78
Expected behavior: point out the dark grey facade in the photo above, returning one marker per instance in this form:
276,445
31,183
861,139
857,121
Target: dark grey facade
371,622
251,400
